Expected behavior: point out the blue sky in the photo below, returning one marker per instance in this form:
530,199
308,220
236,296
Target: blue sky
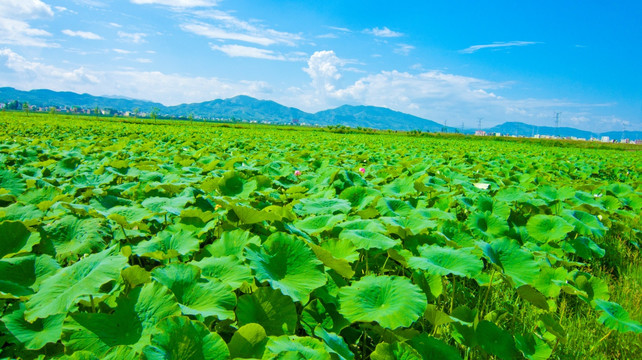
451,62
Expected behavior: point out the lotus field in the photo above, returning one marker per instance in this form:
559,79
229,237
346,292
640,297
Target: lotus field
173,240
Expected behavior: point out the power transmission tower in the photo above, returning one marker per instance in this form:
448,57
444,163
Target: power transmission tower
557,124
479,123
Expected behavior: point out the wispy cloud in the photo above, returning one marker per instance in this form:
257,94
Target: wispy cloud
328,36
248,51
121,51
213,32
176,3
403,49
136,38
342,29
82,34
18,32
472,49
383,32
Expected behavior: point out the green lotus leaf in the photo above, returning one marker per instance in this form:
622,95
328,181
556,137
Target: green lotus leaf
512,194
12,182
594,287
196,297
70,237
178,337
21,276
61,292
530,294
551,194
277,169
391,301
395,351
487,225
431,348
435,316
515,262
131,323
248,342
287,264
334,344
438,214
249,215
399,187
618,189
80,355
394,207
232,184
364,239
232,243
227,269
171,240
488,204
548,280
585,223
128,215
294,347
361,224
324,314
359,197
29,214
36,334
553,326
439,260
613,316
314,225
546,228
584,247
413,224
321,206
496,341
269,308
16,238
341,266
341,249
121,352
135,275
162,205
532,347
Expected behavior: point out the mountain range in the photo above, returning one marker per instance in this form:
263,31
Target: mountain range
250,109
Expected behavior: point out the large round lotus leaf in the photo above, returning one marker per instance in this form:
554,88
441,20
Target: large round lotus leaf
130,324
399,187
21,276
269,308
359,197
395,351
439,260
341,249
546,228
227,269
12,182
250,215
487,225
248,342
61,292
169,241
584,247
71,237
334,343
551,194
585,223
363,224
178,337
392,301
197,297
294,347
516,262
314,225
321,206
128,215
161,205
121,352
29,214
232,243
615,317
33,335
364,239
232,184
488,204
496,341
432,348
15,238
394,207
413,224
287,264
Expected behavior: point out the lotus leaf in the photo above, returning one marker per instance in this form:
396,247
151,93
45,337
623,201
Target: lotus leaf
321,206
175,240
71,237
443,261
271,309
36,334
585,223
12,182
15,238
294,347
232,243
431,348
546,228
496,341
394,207
515,262
314,225
21,276
248,342
615,317
364,239
395,351
334,343
226,269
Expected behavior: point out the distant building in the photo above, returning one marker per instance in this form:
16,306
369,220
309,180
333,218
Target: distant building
480,133
605,139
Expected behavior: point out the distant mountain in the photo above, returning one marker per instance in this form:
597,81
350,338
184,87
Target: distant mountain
251,109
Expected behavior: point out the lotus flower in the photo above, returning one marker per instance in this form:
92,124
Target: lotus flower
297,172
362,170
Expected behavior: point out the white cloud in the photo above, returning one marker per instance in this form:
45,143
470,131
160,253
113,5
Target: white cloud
24,9
342,29
472,49
221,34
82,34
328,36
116,25
248,51
144,60
18,32
121,51
403,49
176,3
383,32
30,70
136,38
323,69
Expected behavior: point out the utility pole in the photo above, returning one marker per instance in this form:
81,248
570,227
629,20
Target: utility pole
557,124
479,123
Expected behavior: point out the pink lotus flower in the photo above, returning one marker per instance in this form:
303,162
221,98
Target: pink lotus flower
362,170
297,173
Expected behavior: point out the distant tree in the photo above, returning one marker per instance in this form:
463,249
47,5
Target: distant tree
52,110
154,114
136,111
191,118
25,108
97,111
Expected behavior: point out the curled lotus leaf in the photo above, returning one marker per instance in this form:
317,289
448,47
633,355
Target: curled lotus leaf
296,347
232,243
275,312
391,301
321,206
615,317
16,238
364,239
33,335
585,223
439,260
515,262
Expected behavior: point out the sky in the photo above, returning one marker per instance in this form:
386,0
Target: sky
459,63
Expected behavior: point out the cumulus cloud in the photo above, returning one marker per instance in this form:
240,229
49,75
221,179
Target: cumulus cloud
15,28
383,32
323,70
82,34
474,48
24,9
